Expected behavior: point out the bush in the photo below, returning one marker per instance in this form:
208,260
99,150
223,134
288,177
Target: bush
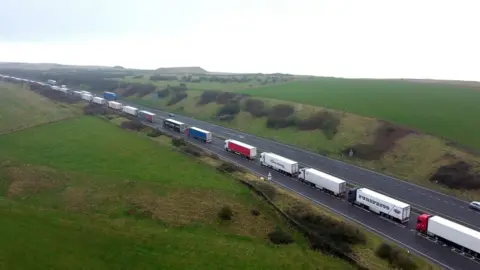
163,93
193,150
225,213
225,97
325,121
207,97
395,257
178,142
255,212
229,167
280,237
281,111
94,109
232,108
177,97
327,234
277,123
132,125
138,77
154,133
255,107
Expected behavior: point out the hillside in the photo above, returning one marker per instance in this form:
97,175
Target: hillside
17,102
48,66
374,144
181,70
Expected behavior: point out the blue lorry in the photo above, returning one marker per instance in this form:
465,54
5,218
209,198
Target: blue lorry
109,96
199,134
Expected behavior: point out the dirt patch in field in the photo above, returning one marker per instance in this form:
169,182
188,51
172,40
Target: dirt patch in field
457,176
31,180
385,138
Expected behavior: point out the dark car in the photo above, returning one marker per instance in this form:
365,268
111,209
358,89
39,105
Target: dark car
171,115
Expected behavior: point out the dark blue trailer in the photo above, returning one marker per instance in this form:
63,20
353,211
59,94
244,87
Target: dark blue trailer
109,96
199,134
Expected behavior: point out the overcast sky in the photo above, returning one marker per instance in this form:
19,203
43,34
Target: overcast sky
347,38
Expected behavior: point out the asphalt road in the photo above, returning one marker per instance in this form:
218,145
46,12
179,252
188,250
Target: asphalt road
402,234
421,198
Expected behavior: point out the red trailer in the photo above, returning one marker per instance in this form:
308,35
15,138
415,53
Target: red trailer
240,148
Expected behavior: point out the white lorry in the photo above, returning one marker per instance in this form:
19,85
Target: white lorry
380,204
450,232
99,100
87,97
115,105
279,163
130,110
324,181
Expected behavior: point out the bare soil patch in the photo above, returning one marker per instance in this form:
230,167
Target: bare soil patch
386,136
457,176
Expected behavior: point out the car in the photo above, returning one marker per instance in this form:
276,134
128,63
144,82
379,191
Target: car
171,115
475,205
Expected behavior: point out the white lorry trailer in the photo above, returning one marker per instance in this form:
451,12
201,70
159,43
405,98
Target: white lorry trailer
380,204
323,181
449,232
130,110
279,163
99,100
115,105
87,97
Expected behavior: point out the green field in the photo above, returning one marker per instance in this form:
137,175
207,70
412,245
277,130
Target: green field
204,85
444,110
83,194
20,108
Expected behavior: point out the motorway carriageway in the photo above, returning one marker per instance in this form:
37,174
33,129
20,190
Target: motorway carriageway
418,197
402,234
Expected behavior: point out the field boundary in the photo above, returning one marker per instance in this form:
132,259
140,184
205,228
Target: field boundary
37,125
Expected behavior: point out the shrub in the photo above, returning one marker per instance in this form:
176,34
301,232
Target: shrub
277,123
207,97
325,121
132,125
232,108
395,257
94,109
225,213
255,107
280,237
229,167
225,97
281,111
163,93
138,77
154,133
177,97
193,150
327,234
255,212
178,142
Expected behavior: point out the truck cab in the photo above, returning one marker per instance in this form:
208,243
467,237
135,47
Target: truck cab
422,223
352,195
301,174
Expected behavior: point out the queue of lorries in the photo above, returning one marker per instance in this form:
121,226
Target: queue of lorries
449,232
